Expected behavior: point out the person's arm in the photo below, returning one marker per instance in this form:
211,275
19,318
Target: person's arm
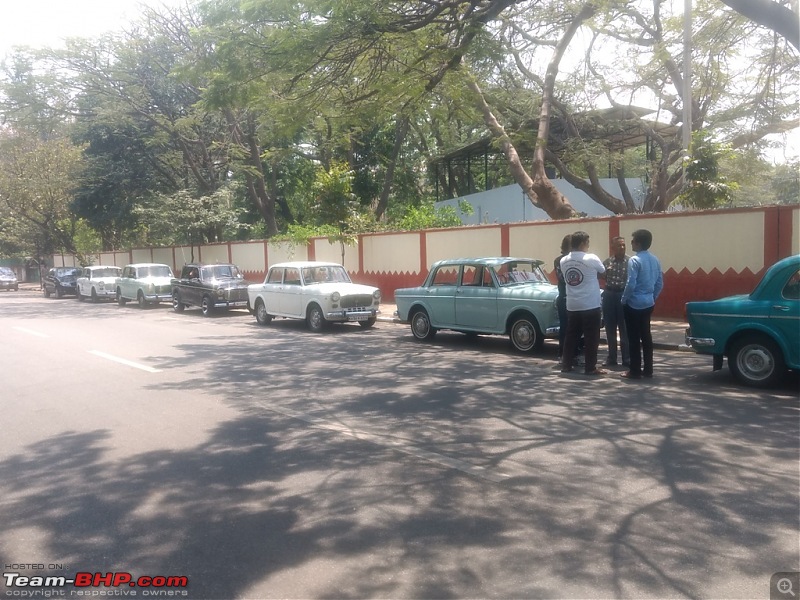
633,275
659,285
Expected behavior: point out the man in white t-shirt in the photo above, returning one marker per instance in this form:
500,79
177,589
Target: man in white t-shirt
581,270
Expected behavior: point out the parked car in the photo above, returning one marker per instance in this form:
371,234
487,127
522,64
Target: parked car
98,282
60,281
145,283
319,292
211,287
8,279
759,333
502,295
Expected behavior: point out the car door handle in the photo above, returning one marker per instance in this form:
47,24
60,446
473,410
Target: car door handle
780,307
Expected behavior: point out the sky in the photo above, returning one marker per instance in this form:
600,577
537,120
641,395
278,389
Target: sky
46,23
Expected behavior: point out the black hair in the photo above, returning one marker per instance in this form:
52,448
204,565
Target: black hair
578,239
565,243
643,238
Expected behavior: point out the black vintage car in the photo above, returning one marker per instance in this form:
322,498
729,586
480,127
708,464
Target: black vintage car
61,281
211,287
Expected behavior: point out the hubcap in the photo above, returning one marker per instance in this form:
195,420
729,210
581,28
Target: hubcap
421,325
523,334
755,362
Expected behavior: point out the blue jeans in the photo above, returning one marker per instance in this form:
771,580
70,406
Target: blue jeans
614,320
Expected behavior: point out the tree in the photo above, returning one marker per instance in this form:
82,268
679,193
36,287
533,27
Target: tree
776,16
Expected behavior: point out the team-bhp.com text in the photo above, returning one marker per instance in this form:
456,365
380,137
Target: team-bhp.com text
94,584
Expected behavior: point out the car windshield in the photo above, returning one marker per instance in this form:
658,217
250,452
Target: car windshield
5,271
221,272
326,274
106,272
518,271
66,272
154,271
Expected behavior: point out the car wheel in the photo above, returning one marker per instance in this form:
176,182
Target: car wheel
207,306
141,299
78,296
262,316
120,299
524,334
756,360
315,319
368,323
177,305
421,325
95,299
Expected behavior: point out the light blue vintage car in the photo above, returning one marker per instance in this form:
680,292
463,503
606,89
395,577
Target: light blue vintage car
502,295
758,332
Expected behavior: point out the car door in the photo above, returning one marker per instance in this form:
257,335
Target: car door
291,295
785,314
476,299
441,295
194,290
127,283
272,289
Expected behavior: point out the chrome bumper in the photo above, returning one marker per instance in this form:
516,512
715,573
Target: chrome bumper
363,314
698,342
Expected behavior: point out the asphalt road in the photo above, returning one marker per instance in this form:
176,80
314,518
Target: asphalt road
268,462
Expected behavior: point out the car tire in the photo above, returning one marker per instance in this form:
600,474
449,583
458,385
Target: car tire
78,296
756,361
524,334
368,323
315,320
120,299
177,305
95,298
141,299
262,316
421,326
207,306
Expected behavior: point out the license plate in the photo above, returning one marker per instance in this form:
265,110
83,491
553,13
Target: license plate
358,318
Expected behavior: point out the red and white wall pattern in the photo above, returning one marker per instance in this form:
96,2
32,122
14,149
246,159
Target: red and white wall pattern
704,255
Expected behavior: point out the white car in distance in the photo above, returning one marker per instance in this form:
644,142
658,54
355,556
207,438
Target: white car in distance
318,292
145,283
99,281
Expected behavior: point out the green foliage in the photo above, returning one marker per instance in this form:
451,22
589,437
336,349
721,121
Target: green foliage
786,183
427,216
706,187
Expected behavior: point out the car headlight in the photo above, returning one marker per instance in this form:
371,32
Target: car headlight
220,292
335,296
376,294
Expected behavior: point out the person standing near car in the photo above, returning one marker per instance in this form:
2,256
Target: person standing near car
561,300
645,282
581,271
616,277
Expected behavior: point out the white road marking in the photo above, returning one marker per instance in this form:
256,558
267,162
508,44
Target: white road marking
398,445
31,332
123,361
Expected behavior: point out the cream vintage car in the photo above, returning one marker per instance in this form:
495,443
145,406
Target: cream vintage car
318,292
145,283
98,282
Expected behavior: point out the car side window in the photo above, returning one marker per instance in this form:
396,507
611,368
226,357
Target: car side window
292,277
275,276
447,275
791,291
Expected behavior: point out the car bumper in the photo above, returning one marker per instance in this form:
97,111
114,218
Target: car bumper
158,297
5,285
106,293
699,342
233,304
352,315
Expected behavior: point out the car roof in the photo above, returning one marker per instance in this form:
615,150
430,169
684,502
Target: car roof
147,265
93,267
302,264
214,264
491,261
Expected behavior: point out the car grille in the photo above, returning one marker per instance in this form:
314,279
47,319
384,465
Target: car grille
356,300
238,294
164,289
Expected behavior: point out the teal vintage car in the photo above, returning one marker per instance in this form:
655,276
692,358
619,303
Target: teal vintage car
759,333
501,295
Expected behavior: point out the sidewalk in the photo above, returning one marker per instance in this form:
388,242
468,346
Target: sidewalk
667,334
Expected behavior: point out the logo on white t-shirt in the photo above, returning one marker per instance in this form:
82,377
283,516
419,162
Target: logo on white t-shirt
573,276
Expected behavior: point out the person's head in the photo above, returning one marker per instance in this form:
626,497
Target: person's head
641,239
617,246
579,240
565,243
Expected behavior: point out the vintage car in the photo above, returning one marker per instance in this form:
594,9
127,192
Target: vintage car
211,287
8,280
98,282
60,281
502,295
759,332
145,283
319,292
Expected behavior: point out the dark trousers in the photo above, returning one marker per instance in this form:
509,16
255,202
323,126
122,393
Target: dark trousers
586,322
640,339
614,320
561,306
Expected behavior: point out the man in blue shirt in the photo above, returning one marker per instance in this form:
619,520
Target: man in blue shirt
645,282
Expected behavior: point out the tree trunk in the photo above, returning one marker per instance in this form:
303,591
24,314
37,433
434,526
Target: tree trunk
399,138
780,19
